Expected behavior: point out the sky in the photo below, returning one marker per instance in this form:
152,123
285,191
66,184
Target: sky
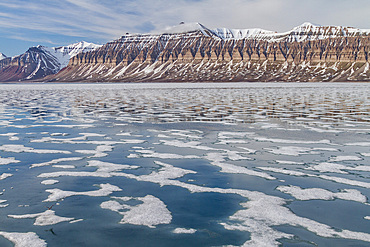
53,23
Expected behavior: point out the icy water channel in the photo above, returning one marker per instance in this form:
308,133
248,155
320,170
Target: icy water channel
185,164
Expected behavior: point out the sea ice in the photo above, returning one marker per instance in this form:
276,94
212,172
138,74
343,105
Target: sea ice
49,182
152,154
10,160
29,239
184,231
21,148
43,219
105,190
151,212
5,175
344,158
322,194
55,161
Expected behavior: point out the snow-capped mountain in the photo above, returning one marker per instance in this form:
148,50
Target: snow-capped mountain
193,52
306,31
40,61
2,56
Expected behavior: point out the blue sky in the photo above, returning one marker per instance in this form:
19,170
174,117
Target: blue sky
26,23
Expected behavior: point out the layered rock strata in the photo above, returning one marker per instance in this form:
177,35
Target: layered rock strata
205,55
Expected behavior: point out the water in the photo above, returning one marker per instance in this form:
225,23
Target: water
185,164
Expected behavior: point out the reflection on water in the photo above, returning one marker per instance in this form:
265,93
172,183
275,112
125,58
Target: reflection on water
235,103
185,164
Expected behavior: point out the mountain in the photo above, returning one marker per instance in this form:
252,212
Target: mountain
40,61
2,56
193,52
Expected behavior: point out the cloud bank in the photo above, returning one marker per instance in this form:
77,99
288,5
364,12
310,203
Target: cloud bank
61,21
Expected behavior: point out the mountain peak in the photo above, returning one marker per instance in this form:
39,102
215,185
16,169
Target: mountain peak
2,56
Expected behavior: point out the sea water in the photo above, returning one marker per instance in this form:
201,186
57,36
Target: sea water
198,164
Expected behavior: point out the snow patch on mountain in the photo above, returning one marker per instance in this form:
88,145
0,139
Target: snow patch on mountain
64,53
306,31
2,56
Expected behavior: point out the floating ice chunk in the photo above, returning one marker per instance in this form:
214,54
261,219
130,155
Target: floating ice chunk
191,144
75,221
105,190
184,231
10,160
5,175
344,158
328,167
64,166
322,194
29,239
21,148
133,156
92,135
291,150
288,162
363,144
98,152
106,167
249,151
49,182
150,212
132,141
262,212
43,219
152,154
345,181
124,134
283,171
274,140
165,173
218,158
55,161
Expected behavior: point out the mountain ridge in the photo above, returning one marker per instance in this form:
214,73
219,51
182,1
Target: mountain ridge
193,52
40,61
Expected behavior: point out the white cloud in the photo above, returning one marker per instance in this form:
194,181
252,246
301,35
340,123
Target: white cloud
109,19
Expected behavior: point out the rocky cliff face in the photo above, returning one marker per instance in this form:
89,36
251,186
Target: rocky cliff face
306,53
38,62
196,53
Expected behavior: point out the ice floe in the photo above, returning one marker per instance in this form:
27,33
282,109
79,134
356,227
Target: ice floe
64,166
10,160
218,159
322,194
153,154
56,161
22,148
288,162
49,182
29,239
58,194
5,175
150,212
43,219
344,158
184,231
297,151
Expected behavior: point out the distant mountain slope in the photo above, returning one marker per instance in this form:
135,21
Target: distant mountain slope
38,62
2,56
192,52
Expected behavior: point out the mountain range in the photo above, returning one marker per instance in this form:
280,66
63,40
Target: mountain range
193,52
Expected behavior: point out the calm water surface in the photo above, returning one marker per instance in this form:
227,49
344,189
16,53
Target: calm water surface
226,164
